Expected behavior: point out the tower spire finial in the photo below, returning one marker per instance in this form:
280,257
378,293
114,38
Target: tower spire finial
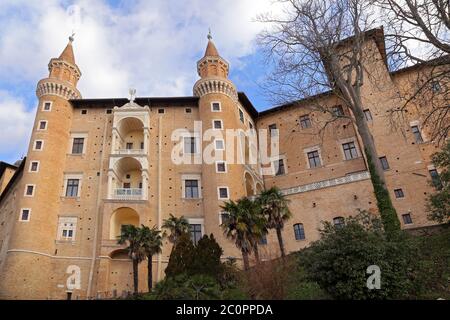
72,37
209,36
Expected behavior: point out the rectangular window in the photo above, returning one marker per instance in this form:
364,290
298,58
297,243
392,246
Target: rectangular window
314,159
368,115
188,110
350,150
223,193
273,130
38,145
407,218
25,215
241,115
72,187
384,163
435,179
29,190
337,111
129,145
224,216
77,146
279,167
196,232
126,185
217,124
299,231
84,111
305,122
142,146
161,111
417,134
435,86
108,111
215,107
399,193
42,125
219,144
221,166
189,145
47,106
34,166
191,189
67,228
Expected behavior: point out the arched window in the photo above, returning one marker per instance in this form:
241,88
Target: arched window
338,222
299,231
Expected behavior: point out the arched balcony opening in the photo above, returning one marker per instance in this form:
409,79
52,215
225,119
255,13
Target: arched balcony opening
129,137
259,188
249,185
127,180
119,254
120,217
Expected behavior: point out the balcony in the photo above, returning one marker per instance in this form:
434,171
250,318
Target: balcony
128,152
127,194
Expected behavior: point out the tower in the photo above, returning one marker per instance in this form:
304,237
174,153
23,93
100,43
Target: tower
32,255
219,110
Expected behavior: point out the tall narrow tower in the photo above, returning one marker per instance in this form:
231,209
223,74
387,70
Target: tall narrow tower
219,110
31,260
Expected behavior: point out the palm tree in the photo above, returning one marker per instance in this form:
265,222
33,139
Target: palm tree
132,235
152,244
274,206
176,226
244,225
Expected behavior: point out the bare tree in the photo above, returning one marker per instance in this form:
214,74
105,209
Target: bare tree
418,33
319,48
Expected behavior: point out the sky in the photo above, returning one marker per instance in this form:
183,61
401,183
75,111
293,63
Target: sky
152,46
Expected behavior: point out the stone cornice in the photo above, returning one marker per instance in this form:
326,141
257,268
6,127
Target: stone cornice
215,85
57,88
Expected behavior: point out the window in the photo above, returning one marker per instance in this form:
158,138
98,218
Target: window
338,222
299,231
34,166
140,185
221,166
263,240
435,179
215,107
128,176
161,111
126,185
77,146
29,190
384,163
314,159
84,111
142,145
196,232
279,167
25,214
368,115
350,151
250,125
223,192
38,145
273,130
217,124
189,145
305,122
241,115
399,193
42,125
337,111
72,187
191,189
435,86
223,217
407,218
417,135
47,106
67,228
108,111
188,110
219,144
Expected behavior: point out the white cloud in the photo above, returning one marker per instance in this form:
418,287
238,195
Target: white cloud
16,126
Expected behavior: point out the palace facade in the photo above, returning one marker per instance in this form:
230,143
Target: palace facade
95,164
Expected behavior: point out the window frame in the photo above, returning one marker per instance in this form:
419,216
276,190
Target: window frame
43,106
61,228
368,112
341,222
39,125
398,193
407,218
212,106
77,145
383,162
301,231
354,146
21,214
215,144
224,164
305,119
218,193
25,193
417,134
214,124
318,157
196,149
241,115
42,145
31,166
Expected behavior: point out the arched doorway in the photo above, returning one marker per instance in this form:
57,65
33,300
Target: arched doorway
120,217
249,184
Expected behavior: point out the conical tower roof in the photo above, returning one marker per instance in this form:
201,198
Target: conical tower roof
211,50
67,54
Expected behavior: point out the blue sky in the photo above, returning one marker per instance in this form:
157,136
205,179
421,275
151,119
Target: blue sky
152,46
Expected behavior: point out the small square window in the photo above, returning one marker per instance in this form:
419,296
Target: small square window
314,159
219,144
368,115
305,122
42,125
34,166
25,215
84,111
221,166
188,110
29,190
384,163
399,193
38,145
279,167
337,111
223,193
407,218
161,110
241,115
350,151
108,111
217,124
224,216
215,107
47,106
